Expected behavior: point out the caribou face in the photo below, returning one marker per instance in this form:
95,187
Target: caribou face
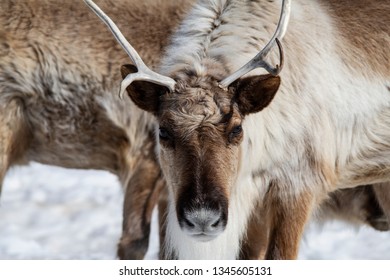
199,134
200,131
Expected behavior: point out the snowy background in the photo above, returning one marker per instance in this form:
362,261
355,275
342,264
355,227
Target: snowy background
53,213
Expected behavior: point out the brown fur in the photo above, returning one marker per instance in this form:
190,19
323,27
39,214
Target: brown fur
143,192
359,205
66,52
58,95
83,46
356,21
13,136
197,177
287,221
254,244
196,110
363,205
383,197
256,93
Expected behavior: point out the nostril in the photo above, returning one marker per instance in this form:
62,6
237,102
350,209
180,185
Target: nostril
188,223
201,220
216,223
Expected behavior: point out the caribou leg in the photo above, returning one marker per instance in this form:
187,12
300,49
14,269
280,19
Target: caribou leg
14,135
255,242
382,193
363,205
142,194
287,223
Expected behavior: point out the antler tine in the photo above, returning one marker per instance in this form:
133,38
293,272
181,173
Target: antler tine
144,73
259,60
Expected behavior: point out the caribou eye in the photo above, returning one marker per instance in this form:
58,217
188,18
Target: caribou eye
236,130
164,134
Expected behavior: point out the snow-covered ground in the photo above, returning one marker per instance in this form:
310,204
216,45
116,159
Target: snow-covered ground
53,213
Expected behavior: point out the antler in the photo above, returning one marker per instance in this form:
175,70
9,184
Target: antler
144,73
259,59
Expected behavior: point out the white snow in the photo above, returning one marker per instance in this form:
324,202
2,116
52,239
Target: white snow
48,212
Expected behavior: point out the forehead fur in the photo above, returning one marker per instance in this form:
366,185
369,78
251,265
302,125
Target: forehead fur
195,103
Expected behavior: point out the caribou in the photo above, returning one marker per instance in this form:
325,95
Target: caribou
229,140
355,206
58,102
76,126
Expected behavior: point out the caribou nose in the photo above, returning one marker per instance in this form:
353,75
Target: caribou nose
203,224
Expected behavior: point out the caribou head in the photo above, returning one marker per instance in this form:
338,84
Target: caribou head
200,128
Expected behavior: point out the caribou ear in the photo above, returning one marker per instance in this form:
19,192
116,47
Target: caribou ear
253,94
146,95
